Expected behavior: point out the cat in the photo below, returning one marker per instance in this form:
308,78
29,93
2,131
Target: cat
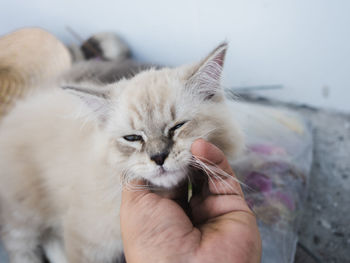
67,151
109,60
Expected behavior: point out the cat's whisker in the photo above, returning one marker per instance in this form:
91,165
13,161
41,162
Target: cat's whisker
209,177
212,181
219,178
126,182
215,171
133,187
224,182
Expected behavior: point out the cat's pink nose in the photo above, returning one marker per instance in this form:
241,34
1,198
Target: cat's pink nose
159,158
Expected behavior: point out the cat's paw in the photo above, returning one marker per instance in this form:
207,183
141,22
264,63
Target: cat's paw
107,46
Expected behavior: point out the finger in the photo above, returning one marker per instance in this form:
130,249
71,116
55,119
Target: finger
217,205
207,151
221,177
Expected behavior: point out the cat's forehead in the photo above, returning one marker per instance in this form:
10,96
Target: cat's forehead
152,98
154,84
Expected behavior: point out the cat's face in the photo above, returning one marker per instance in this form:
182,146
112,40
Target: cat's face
154,118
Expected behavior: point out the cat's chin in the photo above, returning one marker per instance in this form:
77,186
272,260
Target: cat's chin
167,179
178,193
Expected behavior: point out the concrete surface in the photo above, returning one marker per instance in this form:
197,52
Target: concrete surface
325,222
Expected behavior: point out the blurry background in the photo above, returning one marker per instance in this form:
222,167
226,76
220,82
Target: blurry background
299,50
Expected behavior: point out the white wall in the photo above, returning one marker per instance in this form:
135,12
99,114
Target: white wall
302,45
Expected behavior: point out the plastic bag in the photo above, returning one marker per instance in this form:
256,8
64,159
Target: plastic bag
274,173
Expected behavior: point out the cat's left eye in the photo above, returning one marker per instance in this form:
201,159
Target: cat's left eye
177,126
133,138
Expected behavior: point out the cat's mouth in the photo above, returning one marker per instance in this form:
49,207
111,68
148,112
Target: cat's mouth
161,171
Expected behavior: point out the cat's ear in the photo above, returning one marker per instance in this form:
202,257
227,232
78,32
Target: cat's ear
96,98
205,76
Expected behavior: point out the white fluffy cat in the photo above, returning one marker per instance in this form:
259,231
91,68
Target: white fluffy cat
66,152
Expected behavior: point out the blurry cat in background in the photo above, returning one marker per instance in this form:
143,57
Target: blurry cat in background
66,151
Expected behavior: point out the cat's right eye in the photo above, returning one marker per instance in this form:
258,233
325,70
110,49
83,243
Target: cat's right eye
133,138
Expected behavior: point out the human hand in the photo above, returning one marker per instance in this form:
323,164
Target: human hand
156,229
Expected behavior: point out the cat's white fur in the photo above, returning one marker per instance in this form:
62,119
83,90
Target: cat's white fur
63,156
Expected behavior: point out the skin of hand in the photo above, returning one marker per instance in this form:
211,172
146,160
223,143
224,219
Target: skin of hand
156,229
